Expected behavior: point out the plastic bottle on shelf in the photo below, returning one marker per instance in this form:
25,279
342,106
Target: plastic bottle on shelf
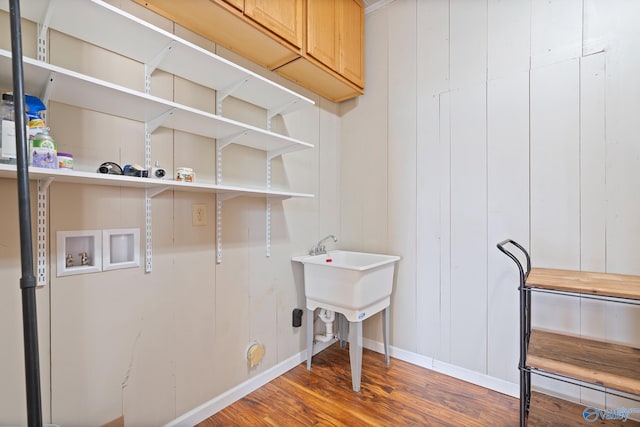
44,152
7,129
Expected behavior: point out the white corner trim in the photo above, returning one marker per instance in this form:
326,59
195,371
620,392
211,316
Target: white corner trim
236,393
483,380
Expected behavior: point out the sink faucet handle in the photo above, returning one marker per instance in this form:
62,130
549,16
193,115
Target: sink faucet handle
320,248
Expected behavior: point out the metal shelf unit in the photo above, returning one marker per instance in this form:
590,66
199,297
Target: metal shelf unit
595,364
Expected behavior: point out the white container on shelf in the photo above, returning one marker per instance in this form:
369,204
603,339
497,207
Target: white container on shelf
7,129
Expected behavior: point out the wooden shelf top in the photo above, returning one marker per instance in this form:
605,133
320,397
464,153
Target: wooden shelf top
602,284
606,364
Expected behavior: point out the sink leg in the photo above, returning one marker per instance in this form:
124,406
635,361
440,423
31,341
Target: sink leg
355,353
385,333
310,319
343,330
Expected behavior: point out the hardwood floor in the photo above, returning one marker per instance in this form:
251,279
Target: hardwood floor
399,395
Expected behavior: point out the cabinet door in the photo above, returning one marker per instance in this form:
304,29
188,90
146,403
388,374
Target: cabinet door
351,44
283,17
335,36
322,40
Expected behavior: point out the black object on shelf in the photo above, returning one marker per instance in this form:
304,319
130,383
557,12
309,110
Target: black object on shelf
110,168
135,170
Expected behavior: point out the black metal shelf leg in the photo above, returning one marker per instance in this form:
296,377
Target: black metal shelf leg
525,327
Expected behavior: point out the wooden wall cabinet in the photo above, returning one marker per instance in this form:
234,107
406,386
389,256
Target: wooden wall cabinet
283,17
335,36
238,4
318,44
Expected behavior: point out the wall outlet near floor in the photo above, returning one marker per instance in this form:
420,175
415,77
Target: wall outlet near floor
198,215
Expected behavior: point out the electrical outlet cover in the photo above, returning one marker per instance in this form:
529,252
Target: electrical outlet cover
199,215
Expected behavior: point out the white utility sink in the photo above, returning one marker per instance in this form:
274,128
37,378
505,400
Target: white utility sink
356,284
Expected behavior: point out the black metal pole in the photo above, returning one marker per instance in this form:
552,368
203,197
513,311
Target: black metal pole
28,280
525,327
522,364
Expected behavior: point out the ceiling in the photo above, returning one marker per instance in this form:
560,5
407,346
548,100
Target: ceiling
371,5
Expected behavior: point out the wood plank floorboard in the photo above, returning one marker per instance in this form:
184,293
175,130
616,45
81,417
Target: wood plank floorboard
399,395
547,411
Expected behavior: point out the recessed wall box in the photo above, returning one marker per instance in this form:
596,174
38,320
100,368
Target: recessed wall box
78,252
120,248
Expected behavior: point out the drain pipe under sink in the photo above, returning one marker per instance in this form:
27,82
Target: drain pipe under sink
327,316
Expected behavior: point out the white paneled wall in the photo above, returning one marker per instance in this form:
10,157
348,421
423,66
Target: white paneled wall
622,128
593,150
468,171
444,141
432,37
363,189
556,31
508,40
504,119
508,208
555,165
401,161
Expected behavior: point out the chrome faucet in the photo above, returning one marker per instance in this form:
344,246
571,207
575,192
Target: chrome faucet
319,248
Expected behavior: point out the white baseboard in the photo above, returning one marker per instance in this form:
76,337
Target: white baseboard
486,381
220,402
483,380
